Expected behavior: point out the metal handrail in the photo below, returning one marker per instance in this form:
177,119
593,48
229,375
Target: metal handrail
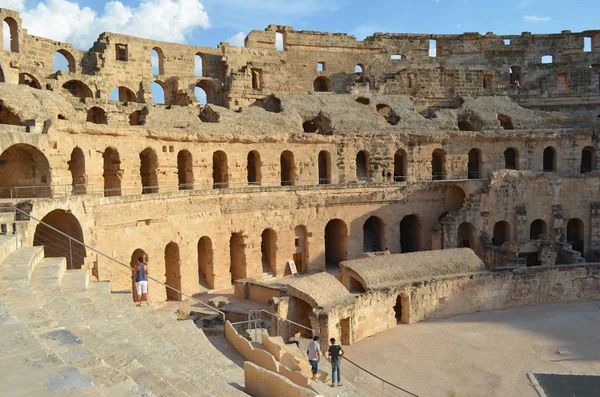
285,319
121,263
375,376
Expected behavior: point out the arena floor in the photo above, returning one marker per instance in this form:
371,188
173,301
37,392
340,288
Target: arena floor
486,354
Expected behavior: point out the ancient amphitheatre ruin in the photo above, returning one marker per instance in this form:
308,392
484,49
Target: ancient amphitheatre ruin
475,166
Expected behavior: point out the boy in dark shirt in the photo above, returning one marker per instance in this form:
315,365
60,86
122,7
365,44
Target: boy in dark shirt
335,354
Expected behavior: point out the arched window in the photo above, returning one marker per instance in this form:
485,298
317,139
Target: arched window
359,70
549,159
77,168
205,262
28,79
321,84
185,170
511,159
324,167
288,169
362,165
373,235
23,166
268,250
159,92
200,65
122,94
112,172
254,168
501,233
336,243
63,60
157,59
10,30
148,171
588,160
465,235
206,92
220,170
173,272
135,118
575,234
200,95
410,234
78,89
515,74
537,228
97,115
438,165
474,165
400,165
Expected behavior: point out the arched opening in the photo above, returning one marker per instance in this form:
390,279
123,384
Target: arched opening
63,60
49,234
321,84
7,116
455,198
10,30
220,170
200,95
336,243
588,160
237,256
373,235
388,114
112,172
362,165
410,234
77,89
438,165
206,92
280,41
465,235
157,59
138,253
505,122
135,118
148,167
511,159
515,74
28,79
401,303
501,233
324,167
575,234
159,92
355,287
173,272
299,312
97,115
24,172
185,170
199,65
205,262
254,168
537,228
268,250
474,166
288,169
549,159
359,71
311,127
123,94
77,168
400,165
300,255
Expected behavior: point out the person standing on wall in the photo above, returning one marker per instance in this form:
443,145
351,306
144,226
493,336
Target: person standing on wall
314,356
141,281
335,355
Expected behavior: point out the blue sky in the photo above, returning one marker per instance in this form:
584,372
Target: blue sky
208,22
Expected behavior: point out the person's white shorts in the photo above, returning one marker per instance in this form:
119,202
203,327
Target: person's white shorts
141,287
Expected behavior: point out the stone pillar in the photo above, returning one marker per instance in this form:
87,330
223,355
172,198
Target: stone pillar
595,226
559,224
522,226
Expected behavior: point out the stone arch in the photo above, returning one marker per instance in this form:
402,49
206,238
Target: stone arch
324,165
135,118
373,235
78,89
9,117
438,165
511,159
576,234
505,122
474,164
30,80
254,168
465,235
300,255
588,160
125,94
288,168
137,253
52,234
237,256
77,168
160,92
205,261
200,69
336,242
64,56
209,88
173,272
455,198
537,228
387,113
24,172
359,70
322,84
362,165
268,250
148,171
220,170
355,286
112,172
410,234
400,165
13,31
549,159
501,233
185,170
97,115
157,60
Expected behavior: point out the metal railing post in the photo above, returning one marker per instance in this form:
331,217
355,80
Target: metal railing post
70,255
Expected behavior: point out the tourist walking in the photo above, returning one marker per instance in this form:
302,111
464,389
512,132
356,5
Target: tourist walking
314,356
335,355
141,280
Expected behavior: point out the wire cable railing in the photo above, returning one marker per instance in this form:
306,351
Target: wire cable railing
59,244
368,383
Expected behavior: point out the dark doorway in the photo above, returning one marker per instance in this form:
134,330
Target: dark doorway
410,234
185,170
373,235
336,243
173,272
56,244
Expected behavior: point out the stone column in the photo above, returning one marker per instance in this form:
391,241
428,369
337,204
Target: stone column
559,224
522,226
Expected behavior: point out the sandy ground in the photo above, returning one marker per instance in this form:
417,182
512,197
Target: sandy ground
486,354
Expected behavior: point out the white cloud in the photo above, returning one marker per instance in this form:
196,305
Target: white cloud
535,19
166,20
238,39
523,3
277,8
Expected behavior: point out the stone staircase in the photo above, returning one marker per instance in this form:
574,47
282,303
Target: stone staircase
267,275
61,334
